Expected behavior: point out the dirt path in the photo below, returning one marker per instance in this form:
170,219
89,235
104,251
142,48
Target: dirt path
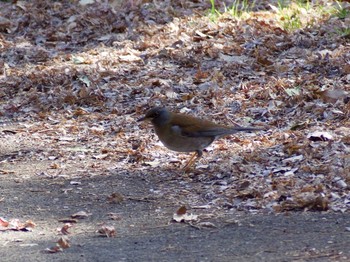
145,231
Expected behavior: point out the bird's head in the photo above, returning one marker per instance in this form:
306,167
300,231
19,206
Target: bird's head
157,115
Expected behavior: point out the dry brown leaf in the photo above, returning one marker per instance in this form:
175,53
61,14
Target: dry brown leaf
107,231
115,198
181,215
80,215
63,242
54,249
64,229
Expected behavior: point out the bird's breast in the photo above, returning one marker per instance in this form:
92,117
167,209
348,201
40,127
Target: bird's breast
173,139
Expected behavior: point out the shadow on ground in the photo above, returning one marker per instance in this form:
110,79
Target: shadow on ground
145,231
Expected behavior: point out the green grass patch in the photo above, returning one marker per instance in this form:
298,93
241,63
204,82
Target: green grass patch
290,15
236,10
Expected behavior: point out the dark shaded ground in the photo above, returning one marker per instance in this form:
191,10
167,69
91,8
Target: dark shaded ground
145,231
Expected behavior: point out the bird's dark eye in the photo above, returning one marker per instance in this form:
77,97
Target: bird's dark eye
155,114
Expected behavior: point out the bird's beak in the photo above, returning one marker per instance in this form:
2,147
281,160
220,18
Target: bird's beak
141,119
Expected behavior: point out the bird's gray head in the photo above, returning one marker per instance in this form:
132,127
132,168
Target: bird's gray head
157,115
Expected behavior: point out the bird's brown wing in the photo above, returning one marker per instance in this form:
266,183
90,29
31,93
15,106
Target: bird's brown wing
194,127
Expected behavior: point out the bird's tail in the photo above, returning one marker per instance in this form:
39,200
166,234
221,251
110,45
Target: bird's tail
244,129
221,131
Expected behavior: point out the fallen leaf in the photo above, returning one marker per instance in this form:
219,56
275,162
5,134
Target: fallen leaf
115,198
80,215
63,242
64,229
182,216
319,136
107,231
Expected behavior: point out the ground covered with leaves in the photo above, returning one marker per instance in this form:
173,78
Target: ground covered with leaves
76,76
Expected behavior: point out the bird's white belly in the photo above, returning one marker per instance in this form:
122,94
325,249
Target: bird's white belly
186,144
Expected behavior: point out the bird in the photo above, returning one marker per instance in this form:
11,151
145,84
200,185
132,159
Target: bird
185,133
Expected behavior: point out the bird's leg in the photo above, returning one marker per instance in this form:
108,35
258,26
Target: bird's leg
190,162
196,155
